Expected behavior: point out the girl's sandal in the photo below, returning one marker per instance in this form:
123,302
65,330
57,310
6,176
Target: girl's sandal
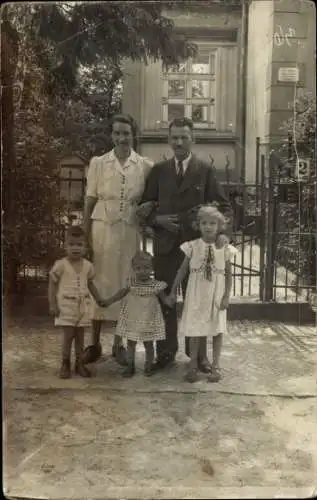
215,375
191,376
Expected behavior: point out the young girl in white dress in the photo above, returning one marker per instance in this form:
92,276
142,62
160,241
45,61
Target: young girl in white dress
70,286
141,318
208,260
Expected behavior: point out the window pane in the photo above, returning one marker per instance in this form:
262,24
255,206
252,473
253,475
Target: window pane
176,88
176,111
200,89
200,64
180,68
199,113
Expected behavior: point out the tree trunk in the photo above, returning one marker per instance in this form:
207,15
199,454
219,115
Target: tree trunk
9,54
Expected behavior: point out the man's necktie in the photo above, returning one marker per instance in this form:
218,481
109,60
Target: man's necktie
180,172
209,262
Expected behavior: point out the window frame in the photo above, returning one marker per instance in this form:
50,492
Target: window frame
207,48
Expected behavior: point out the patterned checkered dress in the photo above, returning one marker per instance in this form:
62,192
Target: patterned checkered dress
141,317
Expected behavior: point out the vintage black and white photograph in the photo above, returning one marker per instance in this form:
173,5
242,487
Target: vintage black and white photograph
159,249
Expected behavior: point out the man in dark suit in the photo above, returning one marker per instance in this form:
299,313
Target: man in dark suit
177,186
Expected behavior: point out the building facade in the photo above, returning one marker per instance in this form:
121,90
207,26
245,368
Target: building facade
252,57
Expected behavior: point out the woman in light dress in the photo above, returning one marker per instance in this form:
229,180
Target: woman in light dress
115,183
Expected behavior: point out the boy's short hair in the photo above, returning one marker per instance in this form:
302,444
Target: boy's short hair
75,232
141,256
181,122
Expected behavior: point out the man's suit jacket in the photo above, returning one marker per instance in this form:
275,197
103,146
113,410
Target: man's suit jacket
199,186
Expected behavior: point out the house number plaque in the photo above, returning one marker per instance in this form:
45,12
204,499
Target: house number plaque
289,75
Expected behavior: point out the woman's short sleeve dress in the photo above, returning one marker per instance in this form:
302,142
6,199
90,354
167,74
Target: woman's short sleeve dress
115,230
73,297
141,318
201,314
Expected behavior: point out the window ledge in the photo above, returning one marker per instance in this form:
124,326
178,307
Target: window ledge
200,136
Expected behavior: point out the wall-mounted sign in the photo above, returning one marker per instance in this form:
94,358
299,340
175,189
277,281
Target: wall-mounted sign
288,75
302,169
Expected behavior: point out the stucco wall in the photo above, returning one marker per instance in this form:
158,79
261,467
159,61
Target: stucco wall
218,151
260,38
281,34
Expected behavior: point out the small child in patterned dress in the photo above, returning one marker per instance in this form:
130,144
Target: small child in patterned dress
141,318
70,286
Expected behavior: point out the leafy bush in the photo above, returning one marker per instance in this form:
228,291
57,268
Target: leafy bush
301,130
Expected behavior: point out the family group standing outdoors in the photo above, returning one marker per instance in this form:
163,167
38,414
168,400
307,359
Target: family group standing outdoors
189,215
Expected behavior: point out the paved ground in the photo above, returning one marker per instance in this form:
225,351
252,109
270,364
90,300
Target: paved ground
252,435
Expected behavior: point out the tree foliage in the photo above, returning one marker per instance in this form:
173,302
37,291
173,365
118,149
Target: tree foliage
62,70
301,129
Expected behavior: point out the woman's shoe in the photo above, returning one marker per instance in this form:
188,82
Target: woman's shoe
65,371
129,371
92,353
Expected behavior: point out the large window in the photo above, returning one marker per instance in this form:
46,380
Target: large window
189,90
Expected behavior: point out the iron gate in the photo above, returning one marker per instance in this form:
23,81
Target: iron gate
269,266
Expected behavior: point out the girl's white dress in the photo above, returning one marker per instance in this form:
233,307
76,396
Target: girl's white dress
141,318
201,314
73,297
115,229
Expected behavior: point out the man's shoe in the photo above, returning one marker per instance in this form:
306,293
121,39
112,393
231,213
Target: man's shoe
129,371
149,369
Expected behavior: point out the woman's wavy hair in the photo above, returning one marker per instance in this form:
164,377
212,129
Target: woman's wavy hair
123,118
212,210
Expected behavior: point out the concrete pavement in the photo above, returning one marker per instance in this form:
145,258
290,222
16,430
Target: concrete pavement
251,435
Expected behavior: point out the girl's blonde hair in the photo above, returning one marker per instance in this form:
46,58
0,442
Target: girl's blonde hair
212,211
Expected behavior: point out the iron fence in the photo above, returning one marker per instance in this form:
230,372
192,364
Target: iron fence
272,247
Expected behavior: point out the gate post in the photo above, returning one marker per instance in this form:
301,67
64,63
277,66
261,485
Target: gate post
263,229
269,268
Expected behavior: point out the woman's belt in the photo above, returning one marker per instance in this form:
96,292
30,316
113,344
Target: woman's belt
113,212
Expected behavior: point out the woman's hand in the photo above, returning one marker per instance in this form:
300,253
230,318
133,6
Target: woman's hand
145,209
224,304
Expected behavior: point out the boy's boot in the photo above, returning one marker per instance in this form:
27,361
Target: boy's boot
65,371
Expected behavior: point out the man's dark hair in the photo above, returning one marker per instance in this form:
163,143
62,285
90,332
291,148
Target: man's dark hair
181,122
121,118
75,232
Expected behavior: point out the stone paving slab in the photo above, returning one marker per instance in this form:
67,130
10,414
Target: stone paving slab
253,435
76,444
263,359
